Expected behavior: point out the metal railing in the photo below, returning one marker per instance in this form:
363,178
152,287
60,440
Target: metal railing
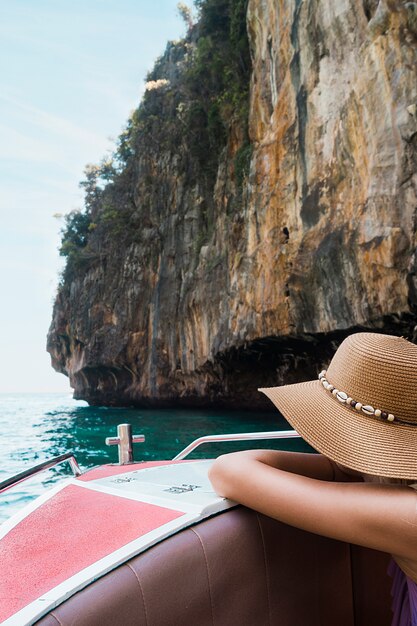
41,467
273,434
125,440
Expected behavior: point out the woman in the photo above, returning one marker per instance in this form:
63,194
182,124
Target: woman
361,415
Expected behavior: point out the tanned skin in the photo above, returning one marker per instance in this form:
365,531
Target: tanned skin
313,493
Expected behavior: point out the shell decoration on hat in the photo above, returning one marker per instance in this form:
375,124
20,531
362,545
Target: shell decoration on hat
343,397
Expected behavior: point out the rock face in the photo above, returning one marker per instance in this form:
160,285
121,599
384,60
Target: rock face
252,276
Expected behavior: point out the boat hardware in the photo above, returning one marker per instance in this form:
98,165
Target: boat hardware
273,434
36,469
125,440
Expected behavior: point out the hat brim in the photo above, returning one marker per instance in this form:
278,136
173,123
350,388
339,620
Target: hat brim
363,443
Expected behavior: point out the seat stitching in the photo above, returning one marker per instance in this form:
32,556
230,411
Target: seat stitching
55,617
352,582
141,590
208,573
266,568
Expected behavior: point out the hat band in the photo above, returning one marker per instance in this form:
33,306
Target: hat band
367,409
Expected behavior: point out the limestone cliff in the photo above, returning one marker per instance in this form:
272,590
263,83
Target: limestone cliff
216,263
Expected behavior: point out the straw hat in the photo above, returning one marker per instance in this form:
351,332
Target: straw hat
362,410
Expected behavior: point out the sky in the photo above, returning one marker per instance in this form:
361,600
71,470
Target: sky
71,71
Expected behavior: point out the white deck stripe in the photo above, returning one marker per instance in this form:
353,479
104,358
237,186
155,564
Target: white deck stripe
140,497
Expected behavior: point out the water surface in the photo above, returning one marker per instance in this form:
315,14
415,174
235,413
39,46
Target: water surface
35,427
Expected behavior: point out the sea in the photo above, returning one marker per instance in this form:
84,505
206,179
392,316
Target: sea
37,427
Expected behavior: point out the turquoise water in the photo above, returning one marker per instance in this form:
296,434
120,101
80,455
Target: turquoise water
35,427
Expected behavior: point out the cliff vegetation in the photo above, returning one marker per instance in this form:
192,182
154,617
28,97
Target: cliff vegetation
197,91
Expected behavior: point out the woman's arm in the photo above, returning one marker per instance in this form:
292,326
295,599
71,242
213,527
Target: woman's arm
373,515
303,463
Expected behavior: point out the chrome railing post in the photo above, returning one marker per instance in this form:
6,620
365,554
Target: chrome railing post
125,441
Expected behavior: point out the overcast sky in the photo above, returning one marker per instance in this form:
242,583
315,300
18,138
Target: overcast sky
70,73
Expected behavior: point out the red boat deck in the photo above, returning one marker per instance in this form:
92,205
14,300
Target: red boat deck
89,526
71,531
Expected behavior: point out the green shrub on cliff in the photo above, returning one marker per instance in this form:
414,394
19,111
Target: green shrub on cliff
74,244
75,233
79,224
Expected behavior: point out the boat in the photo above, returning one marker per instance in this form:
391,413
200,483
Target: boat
151,544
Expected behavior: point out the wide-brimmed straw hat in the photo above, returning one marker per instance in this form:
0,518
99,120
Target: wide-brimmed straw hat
362,410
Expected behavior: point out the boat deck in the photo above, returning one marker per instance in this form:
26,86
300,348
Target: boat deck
89,525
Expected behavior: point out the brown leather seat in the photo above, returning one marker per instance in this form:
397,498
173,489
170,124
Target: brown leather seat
238,568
